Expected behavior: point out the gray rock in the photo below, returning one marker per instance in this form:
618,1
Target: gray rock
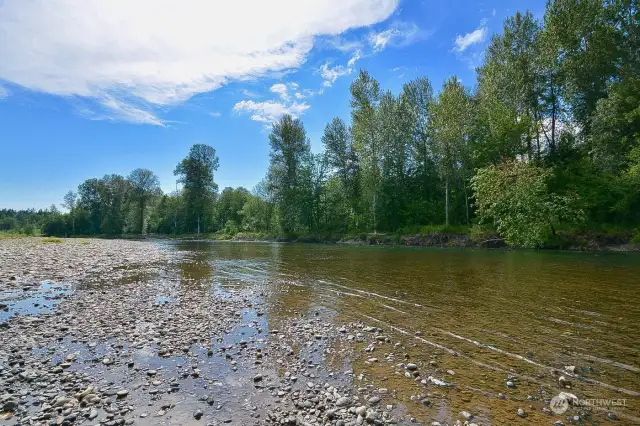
343,401
93,414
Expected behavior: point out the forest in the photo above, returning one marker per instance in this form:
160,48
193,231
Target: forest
547,141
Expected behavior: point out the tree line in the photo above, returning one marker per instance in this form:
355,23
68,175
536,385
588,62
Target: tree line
548,138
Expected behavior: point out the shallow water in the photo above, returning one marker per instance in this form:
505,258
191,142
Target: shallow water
488,316
32,301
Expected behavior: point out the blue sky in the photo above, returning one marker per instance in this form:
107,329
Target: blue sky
96,87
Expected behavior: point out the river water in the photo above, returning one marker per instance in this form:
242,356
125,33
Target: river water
506,329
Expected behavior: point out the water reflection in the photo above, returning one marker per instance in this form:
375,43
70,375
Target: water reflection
503,313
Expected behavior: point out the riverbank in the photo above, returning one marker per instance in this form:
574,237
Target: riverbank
592,241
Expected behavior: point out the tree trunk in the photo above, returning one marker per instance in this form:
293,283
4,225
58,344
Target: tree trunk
141,216
446,202
374,213
466,198
553,119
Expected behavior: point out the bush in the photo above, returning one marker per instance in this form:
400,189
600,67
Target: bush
516,198
51,240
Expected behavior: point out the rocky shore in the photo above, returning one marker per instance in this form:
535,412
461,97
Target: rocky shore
116,332
120,350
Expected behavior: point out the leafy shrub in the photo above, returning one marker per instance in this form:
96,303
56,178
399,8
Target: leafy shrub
515,197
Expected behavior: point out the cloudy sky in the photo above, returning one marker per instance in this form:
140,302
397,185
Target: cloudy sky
89,87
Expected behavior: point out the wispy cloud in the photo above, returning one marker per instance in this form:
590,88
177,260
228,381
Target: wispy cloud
4,92
463,42
111,108
132,62
250,94
281,90
215,114
398,34
270,111
340,43
331,74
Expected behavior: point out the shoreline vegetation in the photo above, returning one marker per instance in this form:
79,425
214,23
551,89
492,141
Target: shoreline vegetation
618,240
541,151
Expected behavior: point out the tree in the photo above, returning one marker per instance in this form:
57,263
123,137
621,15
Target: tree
114,192
229,205
515,198
342,160
70,204
365,99
290,150
584,37
144,185
195,172
450,128
616,125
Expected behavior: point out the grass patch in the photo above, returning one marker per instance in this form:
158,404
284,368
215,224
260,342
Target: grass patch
51,240
84,243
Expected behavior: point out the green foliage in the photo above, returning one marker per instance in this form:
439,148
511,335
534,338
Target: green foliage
195,172
290,173
514,196
549,135
53,240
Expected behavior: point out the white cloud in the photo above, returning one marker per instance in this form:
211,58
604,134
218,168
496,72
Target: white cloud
479,35
250,94
340,43
153,53
399,34
281,90
111,108
270,111
331,74
357,55
215,114
4,92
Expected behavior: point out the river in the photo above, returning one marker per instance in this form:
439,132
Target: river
488,317
211,333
